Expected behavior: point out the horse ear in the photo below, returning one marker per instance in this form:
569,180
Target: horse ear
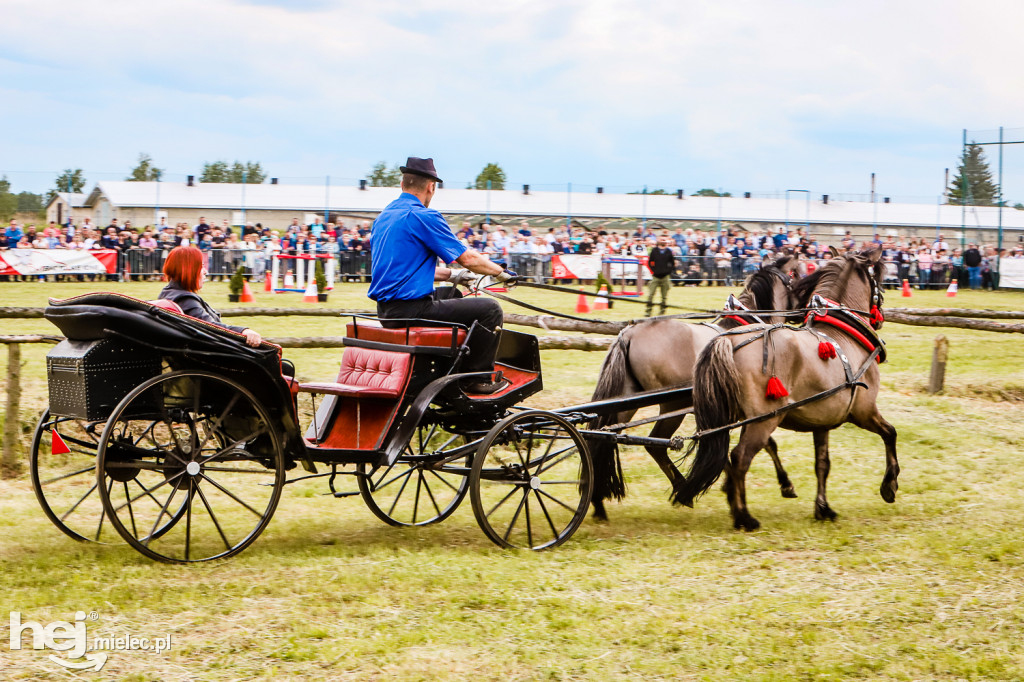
834,251
789,264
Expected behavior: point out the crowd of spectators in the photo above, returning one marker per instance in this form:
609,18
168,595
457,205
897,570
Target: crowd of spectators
702,257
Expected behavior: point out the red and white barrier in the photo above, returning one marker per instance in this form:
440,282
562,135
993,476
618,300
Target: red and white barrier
58,262
302,271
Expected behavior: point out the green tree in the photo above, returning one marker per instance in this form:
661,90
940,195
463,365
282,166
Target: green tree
492,172
973,182
145,171
8,201
220,171
710,193
71,180
29,201
1019,206
380,176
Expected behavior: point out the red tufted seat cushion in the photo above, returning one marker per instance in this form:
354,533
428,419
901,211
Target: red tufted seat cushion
407,336
366,373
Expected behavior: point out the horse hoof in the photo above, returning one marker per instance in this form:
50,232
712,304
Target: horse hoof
824,513
788,492
888,491
746,524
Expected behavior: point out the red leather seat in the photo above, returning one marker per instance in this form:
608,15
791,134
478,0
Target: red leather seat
366,373
407,336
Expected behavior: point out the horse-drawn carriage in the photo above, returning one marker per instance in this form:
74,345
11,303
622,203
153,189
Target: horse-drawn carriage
177,436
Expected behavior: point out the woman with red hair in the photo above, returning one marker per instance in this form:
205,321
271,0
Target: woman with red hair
185,276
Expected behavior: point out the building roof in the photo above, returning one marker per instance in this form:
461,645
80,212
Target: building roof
72,199
350,199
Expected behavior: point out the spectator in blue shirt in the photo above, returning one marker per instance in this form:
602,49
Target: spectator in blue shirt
407,240
13,232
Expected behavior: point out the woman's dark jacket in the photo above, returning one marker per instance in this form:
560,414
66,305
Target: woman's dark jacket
194,306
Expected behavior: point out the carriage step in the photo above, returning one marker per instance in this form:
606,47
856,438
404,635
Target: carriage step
339,494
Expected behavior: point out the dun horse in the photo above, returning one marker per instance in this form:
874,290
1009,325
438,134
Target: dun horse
814,378
661,353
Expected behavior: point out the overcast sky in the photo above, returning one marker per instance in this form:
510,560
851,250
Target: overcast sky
743,95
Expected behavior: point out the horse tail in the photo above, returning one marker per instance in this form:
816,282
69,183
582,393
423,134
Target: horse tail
613,381
715,403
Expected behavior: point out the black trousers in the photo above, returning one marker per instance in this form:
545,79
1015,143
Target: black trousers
448,305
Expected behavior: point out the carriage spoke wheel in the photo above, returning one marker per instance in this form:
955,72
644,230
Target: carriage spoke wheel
531,481
195,442
426,483
63,471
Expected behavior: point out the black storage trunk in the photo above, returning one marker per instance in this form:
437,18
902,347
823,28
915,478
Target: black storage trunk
87,379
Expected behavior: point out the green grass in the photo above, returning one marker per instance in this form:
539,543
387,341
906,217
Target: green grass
927,588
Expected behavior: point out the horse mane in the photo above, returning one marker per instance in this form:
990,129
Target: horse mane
830,279
761,284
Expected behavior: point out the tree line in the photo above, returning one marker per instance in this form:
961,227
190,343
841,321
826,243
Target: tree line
972,185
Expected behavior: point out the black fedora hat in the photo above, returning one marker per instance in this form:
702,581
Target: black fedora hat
418,166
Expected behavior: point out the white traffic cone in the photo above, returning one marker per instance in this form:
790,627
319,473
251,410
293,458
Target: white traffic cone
601,302
310,295
951,291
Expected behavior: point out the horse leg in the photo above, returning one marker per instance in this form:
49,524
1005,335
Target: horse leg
785,485
822,464
665,429
876,423
752,439
606,468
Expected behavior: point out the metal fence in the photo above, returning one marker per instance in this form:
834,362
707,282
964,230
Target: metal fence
147,264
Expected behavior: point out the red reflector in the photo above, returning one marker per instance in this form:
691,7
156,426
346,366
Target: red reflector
58,446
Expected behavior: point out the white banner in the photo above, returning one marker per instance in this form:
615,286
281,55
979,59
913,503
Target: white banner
569,266
57,262
1011,273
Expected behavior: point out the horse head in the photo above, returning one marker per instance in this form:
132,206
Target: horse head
770,288
853,280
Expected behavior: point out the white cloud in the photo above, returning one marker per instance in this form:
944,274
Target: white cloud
605,91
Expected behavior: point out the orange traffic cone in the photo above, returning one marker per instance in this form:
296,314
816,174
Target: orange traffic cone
906,289
951,291
310,295
246,296
601,302
581,303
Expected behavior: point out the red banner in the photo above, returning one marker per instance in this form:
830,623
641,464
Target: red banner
57,262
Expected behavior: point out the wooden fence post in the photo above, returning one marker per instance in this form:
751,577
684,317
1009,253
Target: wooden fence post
10,466
939,357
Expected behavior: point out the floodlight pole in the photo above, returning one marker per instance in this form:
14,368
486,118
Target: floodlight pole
243,198
568,207
488,219
999,247
643,221
963,196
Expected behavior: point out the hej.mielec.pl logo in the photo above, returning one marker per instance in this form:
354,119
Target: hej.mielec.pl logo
72,638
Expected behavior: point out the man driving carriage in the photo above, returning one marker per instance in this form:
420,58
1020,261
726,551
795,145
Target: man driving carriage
408,240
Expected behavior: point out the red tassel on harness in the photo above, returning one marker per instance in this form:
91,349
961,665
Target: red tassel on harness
826,351
876,317
775,389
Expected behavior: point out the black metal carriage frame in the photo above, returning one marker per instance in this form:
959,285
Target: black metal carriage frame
187,461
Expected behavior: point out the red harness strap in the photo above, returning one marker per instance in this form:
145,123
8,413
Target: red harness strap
736,318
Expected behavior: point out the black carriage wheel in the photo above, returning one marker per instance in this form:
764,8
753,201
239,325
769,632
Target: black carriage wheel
426,483
201,443
65,482
531,481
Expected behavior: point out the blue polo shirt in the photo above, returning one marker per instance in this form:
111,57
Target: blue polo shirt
406,240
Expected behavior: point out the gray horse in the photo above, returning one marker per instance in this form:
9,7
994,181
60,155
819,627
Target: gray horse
832,363
661,353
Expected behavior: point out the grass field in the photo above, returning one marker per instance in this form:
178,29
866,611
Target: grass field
930,587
